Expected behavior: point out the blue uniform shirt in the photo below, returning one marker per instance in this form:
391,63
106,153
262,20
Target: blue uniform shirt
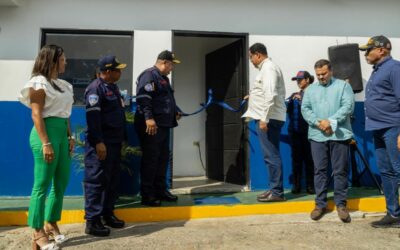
105,115
296,121
155,98
382,96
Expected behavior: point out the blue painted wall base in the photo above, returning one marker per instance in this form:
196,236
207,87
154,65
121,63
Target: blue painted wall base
16,163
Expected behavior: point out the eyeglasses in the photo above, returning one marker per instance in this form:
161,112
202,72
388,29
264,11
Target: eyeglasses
370,49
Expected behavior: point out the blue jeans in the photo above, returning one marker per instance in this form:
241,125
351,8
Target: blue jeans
337,153
269,142
388,161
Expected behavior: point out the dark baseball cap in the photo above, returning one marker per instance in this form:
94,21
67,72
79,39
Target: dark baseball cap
168,55
109,62
301,75
376,42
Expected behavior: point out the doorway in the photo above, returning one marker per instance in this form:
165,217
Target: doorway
209,148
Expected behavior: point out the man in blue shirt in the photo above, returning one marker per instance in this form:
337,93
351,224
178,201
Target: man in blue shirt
326,107
382,117
105,117
157,113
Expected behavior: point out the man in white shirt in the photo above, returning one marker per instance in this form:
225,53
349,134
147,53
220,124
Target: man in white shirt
267,107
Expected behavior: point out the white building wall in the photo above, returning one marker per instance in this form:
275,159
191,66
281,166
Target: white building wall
294,53
15,74
296,33
20,26
146,47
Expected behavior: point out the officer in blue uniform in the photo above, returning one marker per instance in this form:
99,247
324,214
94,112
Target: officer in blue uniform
156,114
105,119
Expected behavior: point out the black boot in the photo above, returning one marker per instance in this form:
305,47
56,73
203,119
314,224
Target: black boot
151,201
310,190
296,189
296,169
113,221
96,228
167,196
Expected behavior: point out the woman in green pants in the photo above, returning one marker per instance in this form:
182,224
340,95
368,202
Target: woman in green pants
51,101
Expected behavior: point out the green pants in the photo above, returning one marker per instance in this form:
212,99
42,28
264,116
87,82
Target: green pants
55,174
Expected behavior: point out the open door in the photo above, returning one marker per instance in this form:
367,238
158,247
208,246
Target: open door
224,128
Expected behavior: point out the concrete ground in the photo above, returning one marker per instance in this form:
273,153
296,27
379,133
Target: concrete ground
288,231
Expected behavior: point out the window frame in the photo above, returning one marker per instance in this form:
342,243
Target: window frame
70,31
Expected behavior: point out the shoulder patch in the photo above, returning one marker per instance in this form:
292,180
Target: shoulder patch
149,87
93,99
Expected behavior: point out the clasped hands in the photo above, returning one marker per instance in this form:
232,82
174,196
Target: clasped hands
325,126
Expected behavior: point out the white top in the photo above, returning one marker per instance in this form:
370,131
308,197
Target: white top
267,94
56,104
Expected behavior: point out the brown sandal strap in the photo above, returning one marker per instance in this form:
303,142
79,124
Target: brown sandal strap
52,228
38,238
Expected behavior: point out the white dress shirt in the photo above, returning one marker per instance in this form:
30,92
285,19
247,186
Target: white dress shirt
56,104
267,94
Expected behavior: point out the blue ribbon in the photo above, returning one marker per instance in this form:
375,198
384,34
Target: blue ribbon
210,101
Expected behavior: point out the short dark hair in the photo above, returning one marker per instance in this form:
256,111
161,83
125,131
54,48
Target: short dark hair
321,63
258,48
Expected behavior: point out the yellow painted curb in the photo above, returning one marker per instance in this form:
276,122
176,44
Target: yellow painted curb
147,214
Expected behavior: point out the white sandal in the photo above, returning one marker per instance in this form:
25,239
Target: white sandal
60,238
50,246
54,233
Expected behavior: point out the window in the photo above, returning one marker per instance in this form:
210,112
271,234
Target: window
83,49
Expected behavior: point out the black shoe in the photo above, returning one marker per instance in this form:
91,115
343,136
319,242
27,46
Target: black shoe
310,190
167,196
387,221
296,190
270,198
96,228
264,195
151,201
113,221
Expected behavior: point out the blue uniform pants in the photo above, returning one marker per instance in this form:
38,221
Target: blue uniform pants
101,181
337,154
301,156
155,157
388,160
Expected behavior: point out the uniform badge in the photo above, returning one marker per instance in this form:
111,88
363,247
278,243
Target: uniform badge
93,99
149,87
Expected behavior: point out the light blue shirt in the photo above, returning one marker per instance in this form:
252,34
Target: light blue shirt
334,102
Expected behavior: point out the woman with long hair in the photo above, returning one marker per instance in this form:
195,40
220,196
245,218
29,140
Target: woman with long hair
51,142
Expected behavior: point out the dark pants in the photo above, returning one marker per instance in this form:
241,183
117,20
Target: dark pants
155,157
388,159
337,153
269,142
101,181
301,156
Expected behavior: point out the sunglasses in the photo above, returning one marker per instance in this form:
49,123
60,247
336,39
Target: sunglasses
370,49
